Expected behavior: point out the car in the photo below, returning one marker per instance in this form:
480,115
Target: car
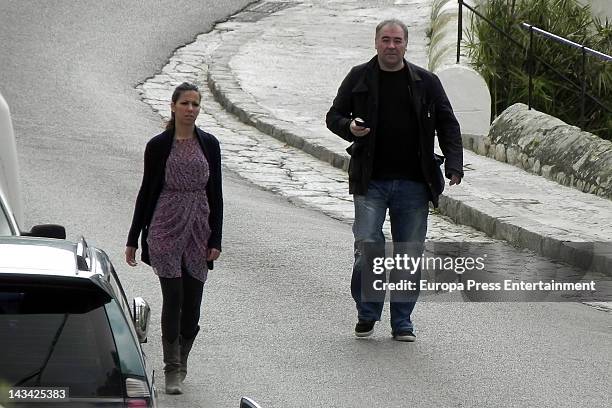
66,325
246,402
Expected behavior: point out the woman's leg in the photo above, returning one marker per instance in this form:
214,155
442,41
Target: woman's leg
190,316
191,303
172,293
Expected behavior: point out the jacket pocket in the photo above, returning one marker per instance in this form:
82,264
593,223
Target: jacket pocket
428,118
355,150
350,150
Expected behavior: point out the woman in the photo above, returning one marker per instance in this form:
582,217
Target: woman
178,214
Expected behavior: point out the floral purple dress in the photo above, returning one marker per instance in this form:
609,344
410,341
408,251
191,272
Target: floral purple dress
179,230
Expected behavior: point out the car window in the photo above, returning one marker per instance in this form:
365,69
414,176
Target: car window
120,317
128,352
116,284
58,337
114,281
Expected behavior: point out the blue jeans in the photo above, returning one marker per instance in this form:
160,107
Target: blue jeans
408,204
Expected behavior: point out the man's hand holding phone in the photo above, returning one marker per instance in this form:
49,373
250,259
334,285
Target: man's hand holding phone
359,127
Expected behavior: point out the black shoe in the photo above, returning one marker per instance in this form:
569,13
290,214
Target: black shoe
404,335
364,328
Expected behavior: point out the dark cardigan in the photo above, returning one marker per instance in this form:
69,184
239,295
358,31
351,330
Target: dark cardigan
155,157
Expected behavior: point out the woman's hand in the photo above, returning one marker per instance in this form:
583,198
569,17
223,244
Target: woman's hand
130,256
213,254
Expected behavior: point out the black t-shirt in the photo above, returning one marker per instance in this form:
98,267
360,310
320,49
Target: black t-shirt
397,138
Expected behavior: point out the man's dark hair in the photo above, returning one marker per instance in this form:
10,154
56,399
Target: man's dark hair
393,21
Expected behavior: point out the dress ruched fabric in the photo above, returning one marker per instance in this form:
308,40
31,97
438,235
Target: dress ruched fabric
179,230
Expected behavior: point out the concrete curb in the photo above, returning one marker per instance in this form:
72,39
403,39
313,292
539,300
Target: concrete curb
586,255
227,91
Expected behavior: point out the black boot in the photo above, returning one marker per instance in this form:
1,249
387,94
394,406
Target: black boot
186,344
172,366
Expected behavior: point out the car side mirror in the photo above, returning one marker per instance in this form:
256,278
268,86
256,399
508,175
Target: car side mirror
141,316
47,231
248,403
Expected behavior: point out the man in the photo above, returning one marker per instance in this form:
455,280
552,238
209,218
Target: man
391,110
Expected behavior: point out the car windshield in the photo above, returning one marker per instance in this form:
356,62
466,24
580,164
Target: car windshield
54,336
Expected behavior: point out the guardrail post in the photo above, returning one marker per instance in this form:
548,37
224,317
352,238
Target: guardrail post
583,91
459,30
530,67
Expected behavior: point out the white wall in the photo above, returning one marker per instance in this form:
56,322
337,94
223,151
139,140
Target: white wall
601,8
9,173
466,89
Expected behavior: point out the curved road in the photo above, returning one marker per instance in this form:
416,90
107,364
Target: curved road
277,318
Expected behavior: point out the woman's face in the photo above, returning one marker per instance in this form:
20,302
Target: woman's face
186,108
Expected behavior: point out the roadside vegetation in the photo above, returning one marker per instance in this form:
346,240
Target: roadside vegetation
504,65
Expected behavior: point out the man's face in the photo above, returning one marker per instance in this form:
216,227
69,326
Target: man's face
390,46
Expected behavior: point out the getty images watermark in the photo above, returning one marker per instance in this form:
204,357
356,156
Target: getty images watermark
477,271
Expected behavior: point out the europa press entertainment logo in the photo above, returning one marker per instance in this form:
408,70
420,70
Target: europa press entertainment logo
410,275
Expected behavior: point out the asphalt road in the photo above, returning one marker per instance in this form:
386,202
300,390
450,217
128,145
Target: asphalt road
277,316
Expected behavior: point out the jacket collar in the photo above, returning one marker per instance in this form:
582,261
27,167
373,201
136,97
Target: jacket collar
168,134
370,80
369,83
414,76
374,68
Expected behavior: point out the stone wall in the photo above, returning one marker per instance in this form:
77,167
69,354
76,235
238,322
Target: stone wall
549,147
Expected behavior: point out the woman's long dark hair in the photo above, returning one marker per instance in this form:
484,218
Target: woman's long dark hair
184,87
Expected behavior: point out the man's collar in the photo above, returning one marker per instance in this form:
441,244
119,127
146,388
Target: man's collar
414,76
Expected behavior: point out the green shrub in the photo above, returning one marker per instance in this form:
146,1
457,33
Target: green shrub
504,65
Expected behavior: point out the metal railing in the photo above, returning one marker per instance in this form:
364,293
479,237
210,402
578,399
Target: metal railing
531,57
585,50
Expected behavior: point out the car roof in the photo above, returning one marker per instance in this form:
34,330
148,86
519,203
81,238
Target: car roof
49,257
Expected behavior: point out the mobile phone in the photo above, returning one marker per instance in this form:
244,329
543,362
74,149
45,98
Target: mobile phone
360,122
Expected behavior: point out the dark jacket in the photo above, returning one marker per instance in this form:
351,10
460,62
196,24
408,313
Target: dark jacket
155,157
358,97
